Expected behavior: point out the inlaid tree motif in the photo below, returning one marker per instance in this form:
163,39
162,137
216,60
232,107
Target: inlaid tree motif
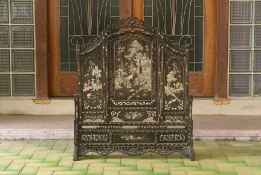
133,71
92,86
174,87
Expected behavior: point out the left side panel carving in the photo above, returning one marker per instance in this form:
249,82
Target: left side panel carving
92,83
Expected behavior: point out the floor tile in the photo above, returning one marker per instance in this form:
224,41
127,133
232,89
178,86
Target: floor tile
29,157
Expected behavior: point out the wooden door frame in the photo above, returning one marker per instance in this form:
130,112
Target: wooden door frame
54,47
41,49
221,75
202,83
60,83
212,81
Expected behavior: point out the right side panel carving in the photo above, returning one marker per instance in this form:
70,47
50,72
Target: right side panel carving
173,82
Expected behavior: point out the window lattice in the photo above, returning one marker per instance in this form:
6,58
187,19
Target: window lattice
257,85
240,61
4,11
23,85
257,62
258,12
5,89
22,36
23,61
241,12
245,48
240,85
17,72
240,36
22,12
4,36
4,61
258,36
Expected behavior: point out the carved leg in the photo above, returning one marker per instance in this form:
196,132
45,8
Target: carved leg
76,153
188,152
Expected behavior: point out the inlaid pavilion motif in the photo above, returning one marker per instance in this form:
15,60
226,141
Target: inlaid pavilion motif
132,71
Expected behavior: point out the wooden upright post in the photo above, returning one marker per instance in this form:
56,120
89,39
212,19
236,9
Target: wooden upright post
220,91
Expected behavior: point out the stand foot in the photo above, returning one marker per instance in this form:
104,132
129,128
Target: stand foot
76,153
188,152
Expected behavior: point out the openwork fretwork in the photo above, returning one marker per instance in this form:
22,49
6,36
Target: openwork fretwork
132,93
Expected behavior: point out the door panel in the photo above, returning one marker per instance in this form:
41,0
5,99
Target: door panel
196,83
68,84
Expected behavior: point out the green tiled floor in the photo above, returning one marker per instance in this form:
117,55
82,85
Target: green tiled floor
54,157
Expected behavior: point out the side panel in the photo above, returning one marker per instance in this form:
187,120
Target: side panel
174,86
92,83
173,83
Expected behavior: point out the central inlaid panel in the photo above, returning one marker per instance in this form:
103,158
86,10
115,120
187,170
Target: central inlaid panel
134,73
133,79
